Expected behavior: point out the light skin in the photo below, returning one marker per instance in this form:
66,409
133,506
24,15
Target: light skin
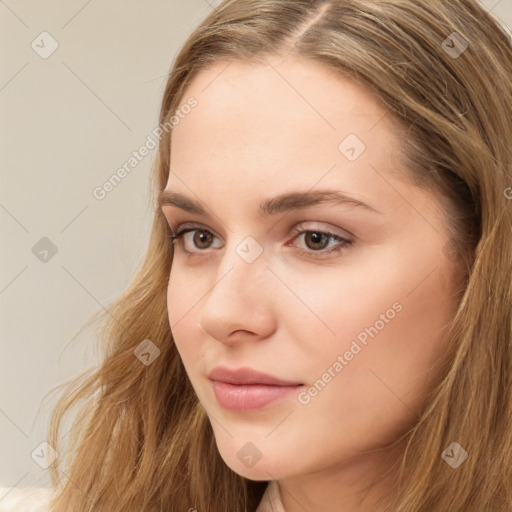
260,131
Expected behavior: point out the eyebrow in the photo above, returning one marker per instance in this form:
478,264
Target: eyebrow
282,203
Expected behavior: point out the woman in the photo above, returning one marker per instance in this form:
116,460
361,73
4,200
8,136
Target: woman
323,317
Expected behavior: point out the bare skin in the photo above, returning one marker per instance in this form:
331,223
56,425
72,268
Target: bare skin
258,132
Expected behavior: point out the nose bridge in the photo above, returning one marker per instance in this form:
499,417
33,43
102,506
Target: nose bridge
243,266
240,298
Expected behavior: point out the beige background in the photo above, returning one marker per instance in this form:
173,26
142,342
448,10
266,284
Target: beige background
68,122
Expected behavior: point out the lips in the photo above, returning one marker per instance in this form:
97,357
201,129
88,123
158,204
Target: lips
247,376
246,389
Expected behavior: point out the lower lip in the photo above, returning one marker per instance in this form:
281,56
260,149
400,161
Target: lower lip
249,397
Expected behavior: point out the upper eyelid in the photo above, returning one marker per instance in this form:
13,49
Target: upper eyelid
345,232
298,229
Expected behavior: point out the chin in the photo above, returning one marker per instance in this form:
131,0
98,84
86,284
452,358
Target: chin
246,462
258,475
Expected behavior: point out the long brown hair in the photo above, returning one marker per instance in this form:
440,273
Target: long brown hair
142,442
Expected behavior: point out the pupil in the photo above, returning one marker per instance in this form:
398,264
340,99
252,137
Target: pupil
318,238
200,237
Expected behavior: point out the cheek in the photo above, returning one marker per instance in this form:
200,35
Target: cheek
410,353
183,301
184,292
390,330
378,394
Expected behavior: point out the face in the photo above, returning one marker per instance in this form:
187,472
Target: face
346,296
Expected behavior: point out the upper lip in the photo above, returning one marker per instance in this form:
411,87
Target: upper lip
247,375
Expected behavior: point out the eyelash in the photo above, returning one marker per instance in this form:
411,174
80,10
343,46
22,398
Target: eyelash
344,243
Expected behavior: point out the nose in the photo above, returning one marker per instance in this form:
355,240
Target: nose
239,305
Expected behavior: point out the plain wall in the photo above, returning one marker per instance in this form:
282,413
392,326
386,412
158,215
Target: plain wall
68,122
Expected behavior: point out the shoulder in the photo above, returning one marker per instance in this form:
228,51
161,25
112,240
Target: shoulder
28,499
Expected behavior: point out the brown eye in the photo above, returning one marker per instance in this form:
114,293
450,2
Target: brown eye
200,239
316,240
318,243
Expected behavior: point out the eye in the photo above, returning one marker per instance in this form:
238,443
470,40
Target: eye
317,241
196,239
201,238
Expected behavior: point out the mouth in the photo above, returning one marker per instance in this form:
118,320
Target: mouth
246,397
246,389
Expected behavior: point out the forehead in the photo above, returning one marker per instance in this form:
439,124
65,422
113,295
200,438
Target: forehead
287,99
291,119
